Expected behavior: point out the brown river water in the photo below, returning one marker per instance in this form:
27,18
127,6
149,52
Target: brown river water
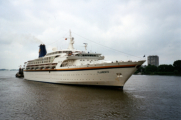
143,97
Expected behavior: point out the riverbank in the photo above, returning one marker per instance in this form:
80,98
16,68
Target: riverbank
173,70
159,73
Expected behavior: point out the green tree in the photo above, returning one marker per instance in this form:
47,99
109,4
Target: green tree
140,70
165,68
177,66
151,69
170,68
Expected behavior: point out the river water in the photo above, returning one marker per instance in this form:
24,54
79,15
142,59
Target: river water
143,97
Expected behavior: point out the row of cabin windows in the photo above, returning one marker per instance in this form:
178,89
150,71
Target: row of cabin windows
49,59
64,65
88,55
88,60
81,60
59,52
45,60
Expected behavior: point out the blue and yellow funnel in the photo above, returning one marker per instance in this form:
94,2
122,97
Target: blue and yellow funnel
42,50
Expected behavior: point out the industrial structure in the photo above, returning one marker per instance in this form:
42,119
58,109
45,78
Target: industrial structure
153,60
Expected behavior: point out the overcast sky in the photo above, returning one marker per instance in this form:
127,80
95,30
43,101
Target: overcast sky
135,27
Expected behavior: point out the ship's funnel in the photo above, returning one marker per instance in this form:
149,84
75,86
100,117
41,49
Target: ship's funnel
42,51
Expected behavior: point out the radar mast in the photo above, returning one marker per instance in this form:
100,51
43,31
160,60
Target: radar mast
85,47
71,47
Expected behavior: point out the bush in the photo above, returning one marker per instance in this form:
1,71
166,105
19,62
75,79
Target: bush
165,73
176,72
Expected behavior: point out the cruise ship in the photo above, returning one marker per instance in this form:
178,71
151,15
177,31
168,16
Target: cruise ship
75,67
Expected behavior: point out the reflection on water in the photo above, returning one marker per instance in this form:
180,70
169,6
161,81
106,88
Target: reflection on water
143,97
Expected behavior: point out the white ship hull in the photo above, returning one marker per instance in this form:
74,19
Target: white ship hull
71,66
114,76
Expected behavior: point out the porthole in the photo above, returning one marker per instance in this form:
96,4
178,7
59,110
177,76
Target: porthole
119,75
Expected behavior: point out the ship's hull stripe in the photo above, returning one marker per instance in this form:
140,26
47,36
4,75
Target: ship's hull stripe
83,69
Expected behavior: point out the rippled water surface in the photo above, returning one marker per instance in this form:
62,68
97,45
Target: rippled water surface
143,97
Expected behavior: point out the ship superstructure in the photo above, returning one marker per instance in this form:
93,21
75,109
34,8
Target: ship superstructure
71,66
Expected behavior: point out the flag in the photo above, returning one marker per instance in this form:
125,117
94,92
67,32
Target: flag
65,38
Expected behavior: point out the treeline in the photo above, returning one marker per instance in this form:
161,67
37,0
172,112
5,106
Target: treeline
174,69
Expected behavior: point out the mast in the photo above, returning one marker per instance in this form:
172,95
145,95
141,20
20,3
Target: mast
71,47
85,47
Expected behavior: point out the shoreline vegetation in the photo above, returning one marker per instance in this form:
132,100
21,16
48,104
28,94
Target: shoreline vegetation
163,69
9,69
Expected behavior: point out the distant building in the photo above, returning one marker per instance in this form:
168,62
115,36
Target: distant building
153,60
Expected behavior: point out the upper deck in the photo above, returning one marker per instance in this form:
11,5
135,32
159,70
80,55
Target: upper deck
64,56
69,55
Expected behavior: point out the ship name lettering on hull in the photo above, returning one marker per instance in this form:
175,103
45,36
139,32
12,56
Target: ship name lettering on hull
102,72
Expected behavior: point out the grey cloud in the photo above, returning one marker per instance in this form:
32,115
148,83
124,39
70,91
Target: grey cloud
134,27
8,38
